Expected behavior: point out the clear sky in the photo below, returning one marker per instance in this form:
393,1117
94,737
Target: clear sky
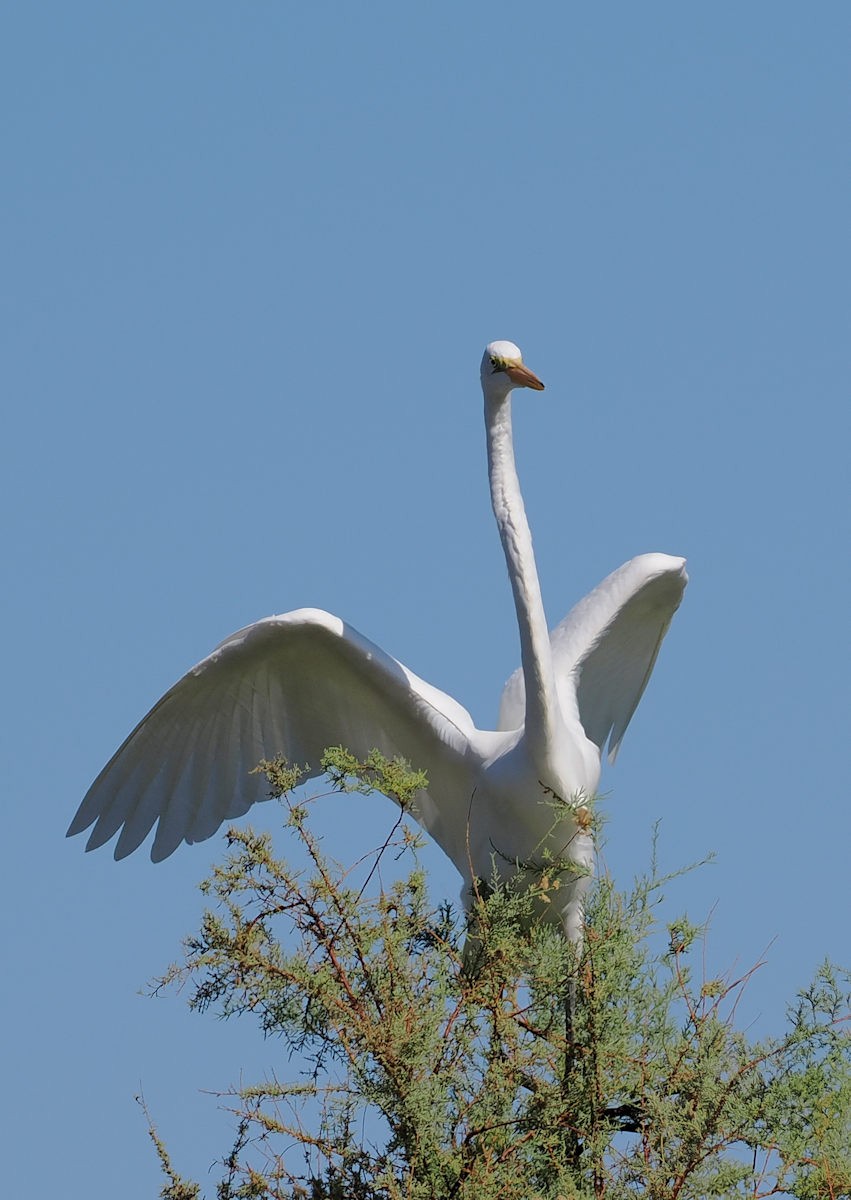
251,254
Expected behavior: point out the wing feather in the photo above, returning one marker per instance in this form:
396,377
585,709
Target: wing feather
605,648
292,685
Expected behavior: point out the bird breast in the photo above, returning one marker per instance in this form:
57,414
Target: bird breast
522,815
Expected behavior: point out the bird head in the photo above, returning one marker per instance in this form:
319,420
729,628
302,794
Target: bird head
503,370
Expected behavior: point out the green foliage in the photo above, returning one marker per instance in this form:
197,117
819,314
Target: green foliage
423,1080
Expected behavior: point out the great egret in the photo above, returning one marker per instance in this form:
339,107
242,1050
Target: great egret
297,683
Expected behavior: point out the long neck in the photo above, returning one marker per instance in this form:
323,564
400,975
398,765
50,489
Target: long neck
542,711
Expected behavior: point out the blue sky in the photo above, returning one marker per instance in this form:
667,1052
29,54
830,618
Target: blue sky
251,254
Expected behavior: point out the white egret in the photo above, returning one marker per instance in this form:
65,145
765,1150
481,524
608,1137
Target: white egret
297,683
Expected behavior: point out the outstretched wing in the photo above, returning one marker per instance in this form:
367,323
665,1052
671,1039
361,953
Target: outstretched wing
292,685
605,648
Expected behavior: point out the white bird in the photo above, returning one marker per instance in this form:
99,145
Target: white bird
297,683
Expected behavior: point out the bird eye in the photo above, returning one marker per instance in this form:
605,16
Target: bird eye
497,364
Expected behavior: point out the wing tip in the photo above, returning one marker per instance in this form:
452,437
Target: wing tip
658,563
76,827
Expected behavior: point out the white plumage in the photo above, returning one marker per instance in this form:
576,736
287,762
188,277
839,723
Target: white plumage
298,683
